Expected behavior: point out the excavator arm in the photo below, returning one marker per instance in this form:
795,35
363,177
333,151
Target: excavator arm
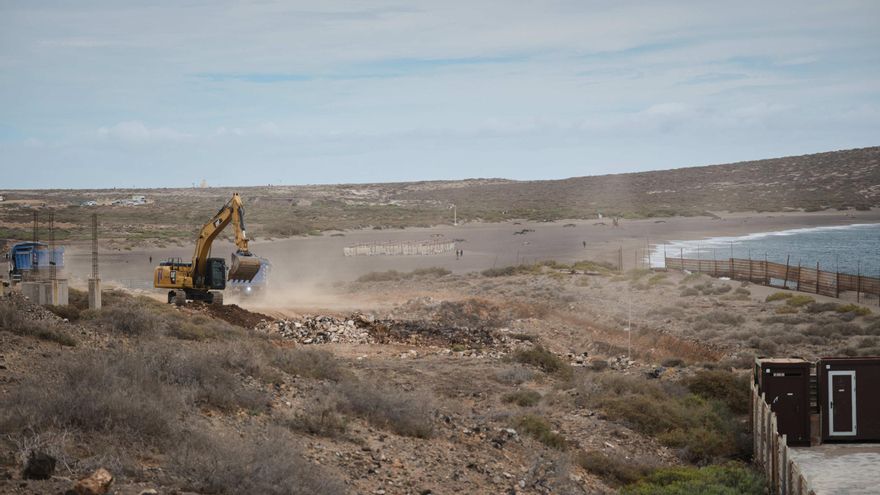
244,264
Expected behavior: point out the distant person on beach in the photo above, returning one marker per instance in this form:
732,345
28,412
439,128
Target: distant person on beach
585,244
151,260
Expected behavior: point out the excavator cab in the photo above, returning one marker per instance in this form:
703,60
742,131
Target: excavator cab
215,274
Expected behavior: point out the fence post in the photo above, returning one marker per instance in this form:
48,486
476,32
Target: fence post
714,263
859,282
732,274
785,282
837,284
817,277
797,284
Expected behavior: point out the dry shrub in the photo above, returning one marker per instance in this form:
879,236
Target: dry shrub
108,392
11,320
132,320
545,360
700,429
786,310
613,467
816,307
522,398
721,318
320,417
730,388
539,429
200,327
514,375
312,363
69,312
405,413
253,462
209,376
835,329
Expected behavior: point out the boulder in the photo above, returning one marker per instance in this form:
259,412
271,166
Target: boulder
96,483
39,466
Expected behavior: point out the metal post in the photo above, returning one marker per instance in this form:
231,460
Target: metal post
785,282
859,281
797,283
817,277
52,264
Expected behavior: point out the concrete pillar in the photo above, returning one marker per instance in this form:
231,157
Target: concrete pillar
59,293
94,293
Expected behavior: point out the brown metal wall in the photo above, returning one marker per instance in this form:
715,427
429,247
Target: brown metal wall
805,278
867,405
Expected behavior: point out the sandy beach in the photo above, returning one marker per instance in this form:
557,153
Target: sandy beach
306,261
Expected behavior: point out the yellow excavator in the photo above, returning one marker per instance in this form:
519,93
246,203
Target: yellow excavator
204,278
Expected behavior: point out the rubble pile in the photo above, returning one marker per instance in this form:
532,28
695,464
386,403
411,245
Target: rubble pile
366,329
322,329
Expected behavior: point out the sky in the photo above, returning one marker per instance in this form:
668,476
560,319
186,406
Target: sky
165,94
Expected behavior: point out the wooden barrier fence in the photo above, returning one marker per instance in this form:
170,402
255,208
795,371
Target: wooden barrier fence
401,248
772,453
804,279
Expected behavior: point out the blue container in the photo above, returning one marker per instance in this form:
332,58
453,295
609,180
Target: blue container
35,256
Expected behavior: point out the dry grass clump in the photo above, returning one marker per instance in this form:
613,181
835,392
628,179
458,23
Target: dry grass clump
799,300
405,413
548,362
539,429
853,308
11,320
613,467
778,296
522,398
817,307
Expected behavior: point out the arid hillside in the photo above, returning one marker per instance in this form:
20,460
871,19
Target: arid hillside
835,180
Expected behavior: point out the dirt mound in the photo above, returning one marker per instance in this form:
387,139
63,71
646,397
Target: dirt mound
232,313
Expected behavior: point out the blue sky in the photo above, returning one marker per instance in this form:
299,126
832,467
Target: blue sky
155,94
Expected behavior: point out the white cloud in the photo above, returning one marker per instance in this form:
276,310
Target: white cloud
134,131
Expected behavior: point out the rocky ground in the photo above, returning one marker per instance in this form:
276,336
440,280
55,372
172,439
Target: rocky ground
522,383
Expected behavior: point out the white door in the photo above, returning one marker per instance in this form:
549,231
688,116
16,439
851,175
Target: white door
841,403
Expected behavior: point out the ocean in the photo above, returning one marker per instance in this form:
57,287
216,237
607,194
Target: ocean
848,248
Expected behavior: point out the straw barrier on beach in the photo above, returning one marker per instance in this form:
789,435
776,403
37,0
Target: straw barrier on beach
799,278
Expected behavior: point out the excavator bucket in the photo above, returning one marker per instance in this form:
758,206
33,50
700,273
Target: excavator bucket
244,267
